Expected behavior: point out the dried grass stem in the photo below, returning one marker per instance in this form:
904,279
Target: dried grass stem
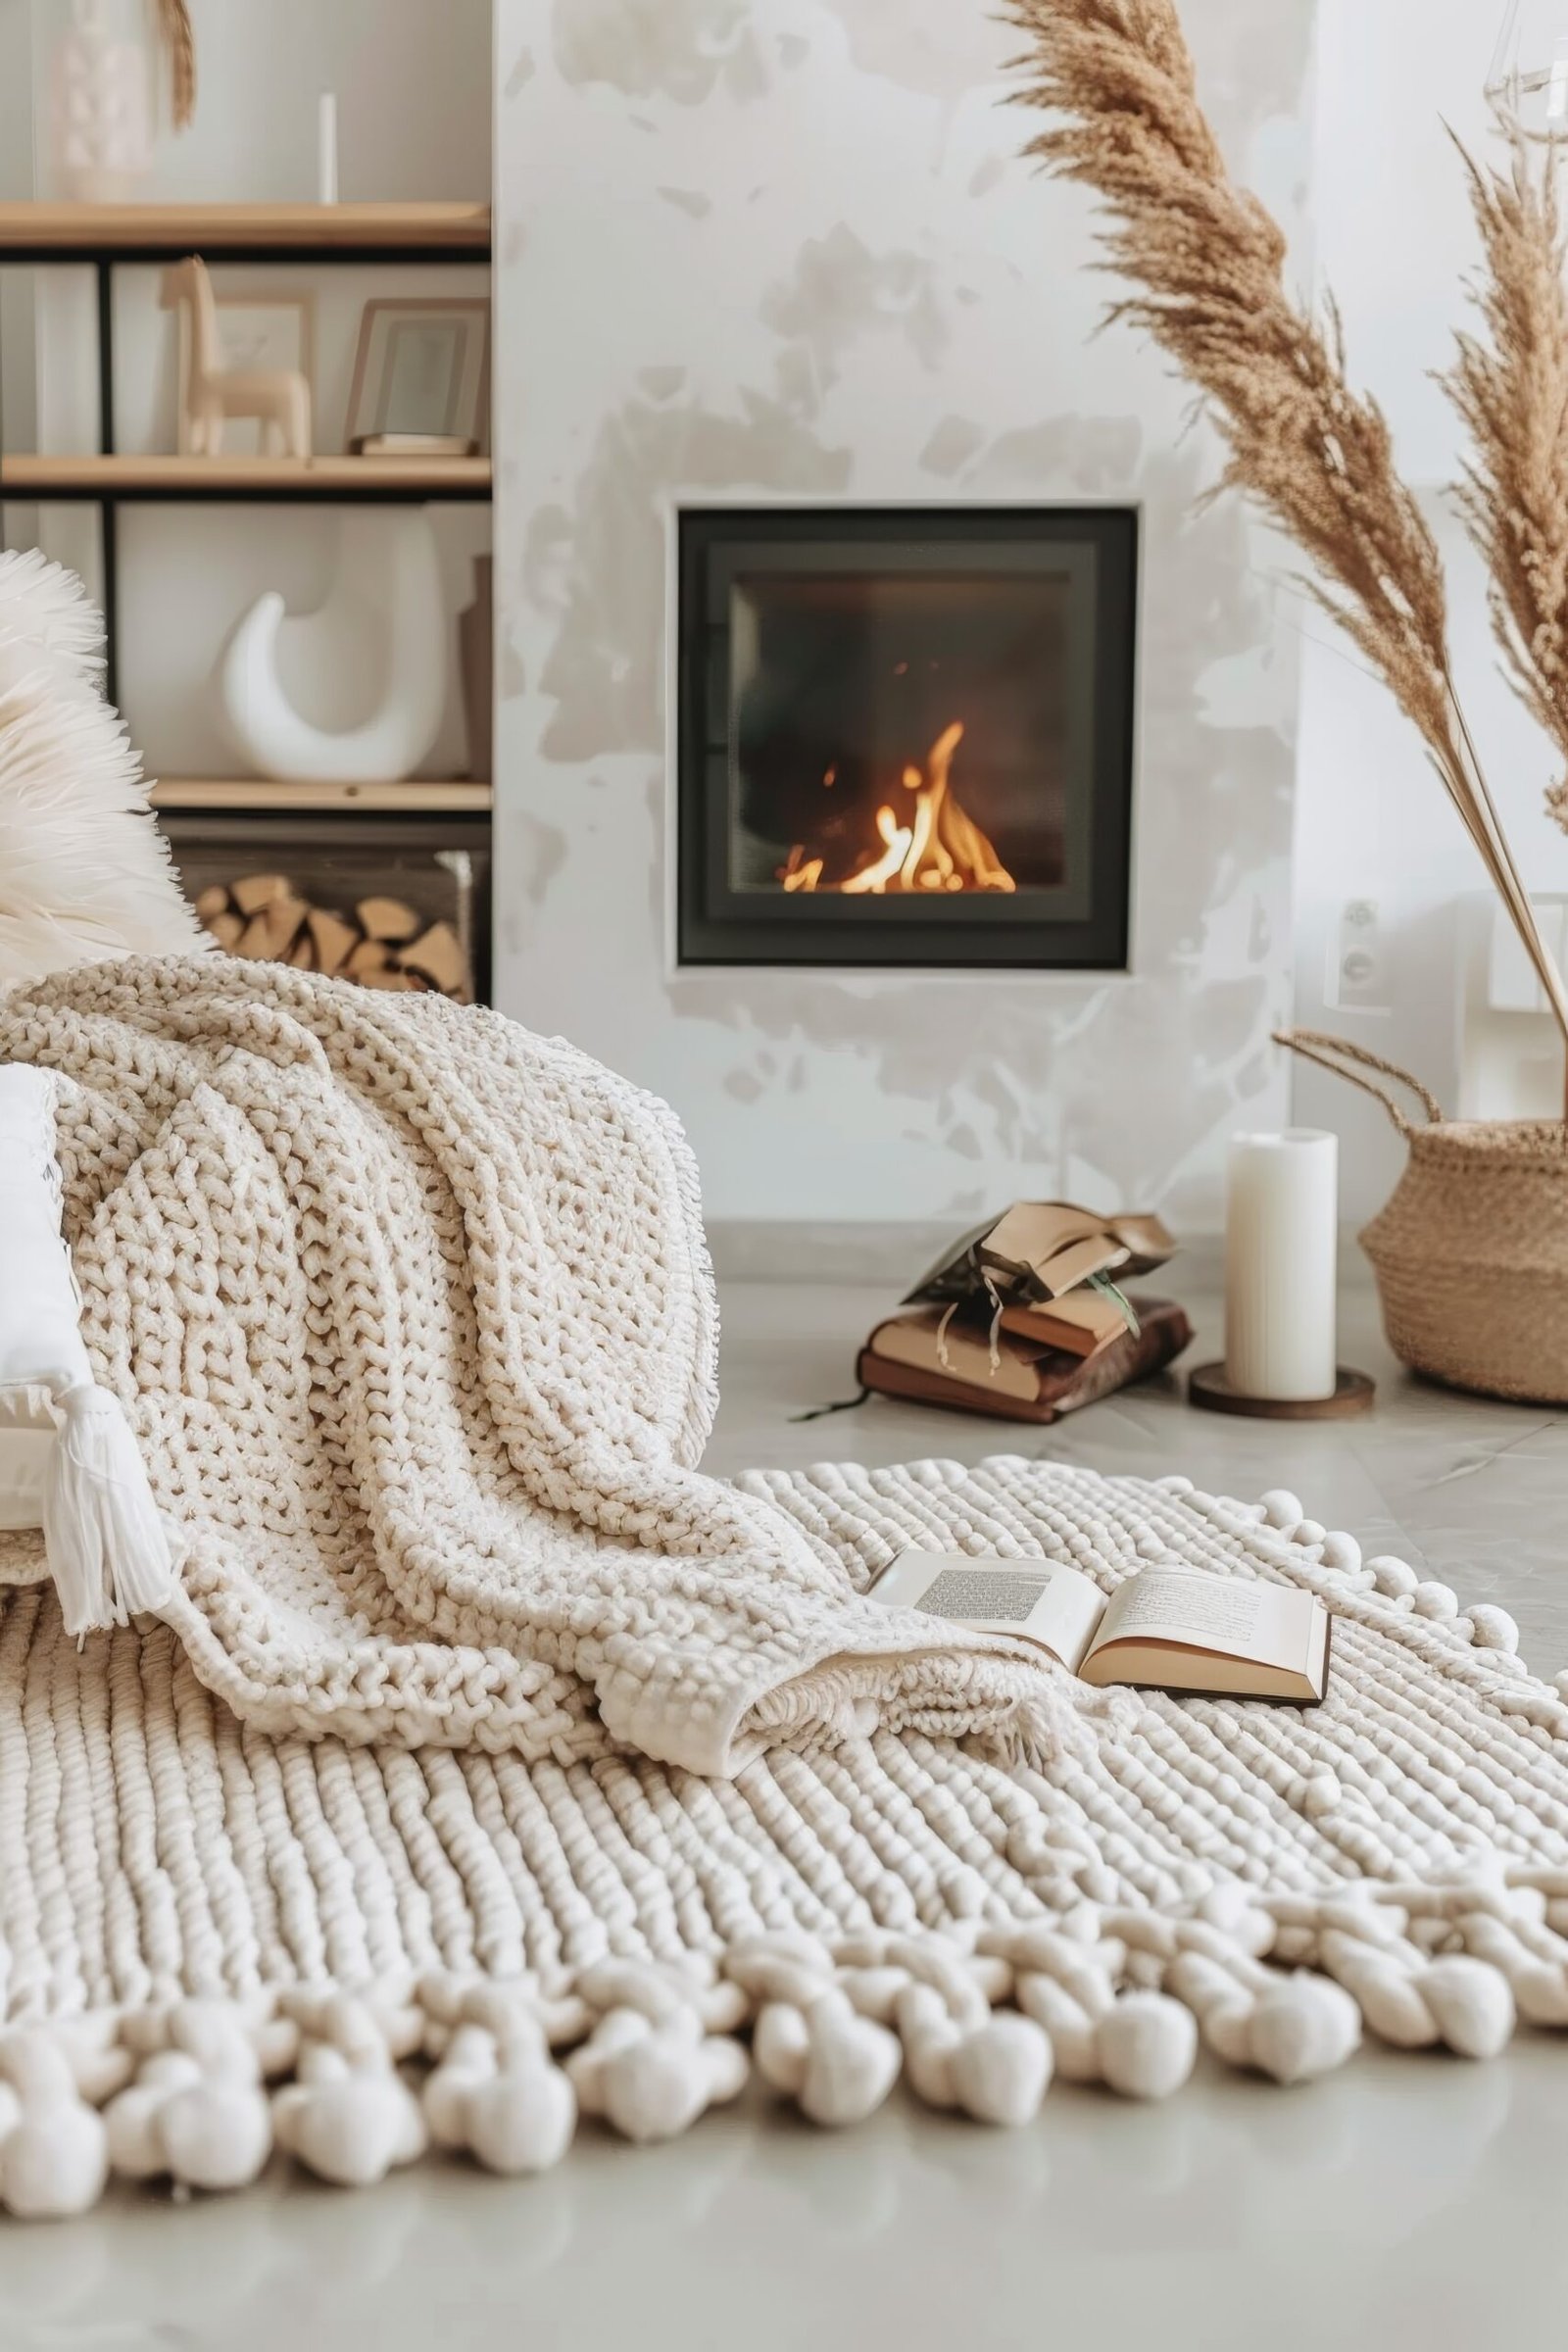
179,39
1512,392
1206,261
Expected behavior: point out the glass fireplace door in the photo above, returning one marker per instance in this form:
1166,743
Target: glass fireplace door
906,738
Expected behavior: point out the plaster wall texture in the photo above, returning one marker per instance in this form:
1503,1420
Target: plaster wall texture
760,250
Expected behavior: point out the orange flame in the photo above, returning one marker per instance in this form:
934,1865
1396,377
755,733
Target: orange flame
936,846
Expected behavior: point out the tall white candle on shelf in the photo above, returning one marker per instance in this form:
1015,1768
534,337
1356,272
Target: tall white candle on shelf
326,147
1281,1265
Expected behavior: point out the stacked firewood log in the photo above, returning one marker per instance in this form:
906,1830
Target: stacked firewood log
382,943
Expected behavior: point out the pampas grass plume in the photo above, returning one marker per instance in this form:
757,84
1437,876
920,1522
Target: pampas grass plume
1205,261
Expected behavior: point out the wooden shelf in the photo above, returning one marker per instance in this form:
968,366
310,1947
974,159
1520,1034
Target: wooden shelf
123,232
260,794
28,476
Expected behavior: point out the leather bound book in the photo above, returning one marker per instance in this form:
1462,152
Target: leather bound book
1030,1380
1081,1324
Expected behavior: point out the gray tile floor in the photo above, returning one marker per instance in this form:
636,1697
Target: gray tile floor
1405,2200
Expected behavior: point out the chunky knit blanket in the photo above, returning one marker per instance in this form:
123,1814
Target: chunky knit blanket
613,1797
413,1317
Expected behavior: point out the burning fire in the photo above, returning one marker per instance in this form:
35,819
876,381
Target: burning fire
927,845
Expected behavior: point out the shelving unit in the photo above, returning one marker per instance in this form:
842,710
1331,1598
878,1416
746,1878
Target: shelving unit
245,232
106,237
379,481
259,820
415,797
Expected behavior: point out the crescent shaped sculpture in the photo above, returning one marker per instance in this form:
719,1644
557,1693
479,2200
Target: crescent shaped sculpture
389,563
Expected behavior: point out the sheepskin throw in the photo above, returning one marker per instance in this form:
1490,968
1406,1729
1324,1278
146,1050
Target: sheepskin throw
84,872
412,1315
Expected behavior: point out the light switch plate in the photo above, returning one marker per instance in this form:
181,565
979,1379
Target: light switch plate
1357,977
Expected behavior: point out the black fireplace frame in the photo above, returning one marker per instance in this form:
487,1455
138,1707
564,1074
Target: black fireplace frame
1084,927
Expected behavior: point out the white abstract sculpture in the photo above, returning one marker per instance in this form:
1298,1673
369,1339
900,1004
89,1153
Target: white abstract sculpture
387,566
278,397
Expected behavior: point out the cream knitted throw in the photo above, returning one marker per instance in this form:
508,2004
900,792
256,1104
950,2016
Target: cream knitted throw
489,1921
412,1317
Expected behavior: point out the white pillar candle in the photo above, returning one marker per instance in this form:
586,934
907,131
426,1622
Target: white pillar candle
1281,1265
326,147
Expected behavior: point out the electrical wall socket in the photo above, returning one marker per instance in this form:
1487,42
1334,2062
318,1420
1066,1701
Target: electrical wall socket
1357,976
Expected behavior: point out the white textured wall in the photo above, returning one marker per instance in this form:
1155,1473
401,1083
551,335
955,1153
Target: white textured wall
1393,240
784,248
753,247
413,90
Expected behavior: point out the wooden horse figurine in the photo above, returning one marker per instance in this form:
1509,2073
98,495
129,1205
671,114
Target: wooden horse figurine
278,397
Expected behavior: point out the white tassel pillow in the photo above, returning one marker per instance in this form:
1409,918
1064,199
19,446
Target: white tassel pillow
27,1440
84,873
69,1461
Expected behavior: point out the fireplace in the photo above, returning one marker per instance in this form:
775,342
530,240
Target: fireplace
904,737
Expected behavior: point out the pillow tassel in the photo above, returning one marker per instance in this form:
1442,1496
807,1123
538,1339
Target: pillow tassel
109,1551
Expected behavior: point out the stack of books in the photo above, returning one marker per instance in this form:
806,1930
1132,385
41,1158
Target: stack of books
1025,1318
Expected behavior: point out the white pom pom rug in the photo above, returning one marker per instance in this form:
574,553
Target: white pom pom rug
215,1940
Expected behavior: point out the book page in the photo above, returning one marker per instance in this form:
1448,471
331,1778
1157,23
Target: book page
905,1341
1231,1616
1035,1600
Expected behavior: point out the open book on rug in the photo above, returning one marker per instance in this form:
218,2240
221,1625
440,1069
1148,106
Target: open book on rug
1162,1630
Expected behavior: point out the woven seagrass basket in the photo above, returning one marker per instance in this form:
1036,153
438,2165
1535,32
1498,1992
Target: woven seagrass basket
1471,1253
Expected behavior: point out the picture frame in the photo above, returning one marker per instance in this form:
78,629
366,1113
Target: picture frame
260,330
422,370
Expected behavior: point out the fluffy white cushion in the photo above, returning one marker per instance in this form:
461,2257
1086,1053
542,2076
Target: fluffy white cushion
84,873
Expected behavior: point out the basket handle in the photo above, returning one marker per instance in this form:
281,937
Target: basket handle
1332,1052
